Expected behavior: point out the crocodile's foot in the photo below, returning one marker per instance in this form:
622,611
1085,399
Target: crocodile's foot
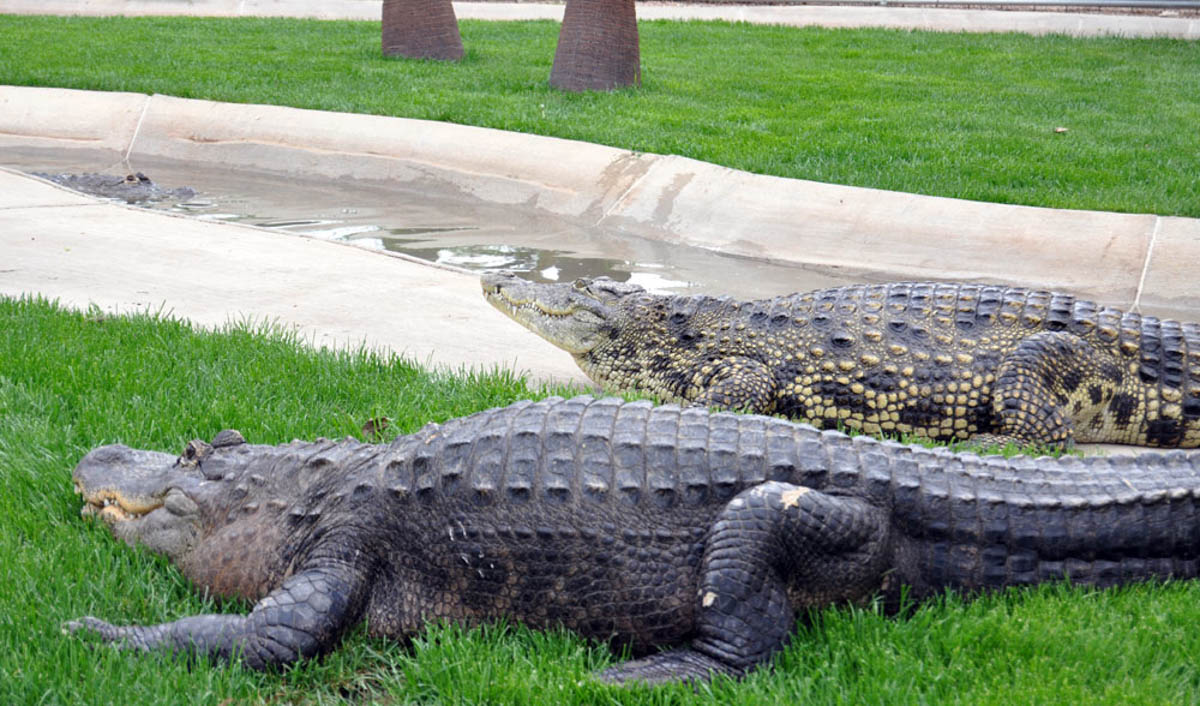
682,665
987,444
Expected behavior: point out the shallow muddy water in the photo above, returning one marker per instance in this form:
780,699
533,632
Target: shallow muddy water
445,228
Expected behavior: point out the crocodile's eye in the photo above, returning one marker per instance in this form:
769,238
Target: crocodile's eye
605,285
580,284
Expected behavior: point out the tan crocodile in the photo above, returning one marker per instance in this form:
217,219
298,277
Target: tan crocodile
939,360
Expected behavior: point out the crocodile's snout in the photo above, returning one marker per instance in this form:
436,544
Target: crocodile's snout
493,283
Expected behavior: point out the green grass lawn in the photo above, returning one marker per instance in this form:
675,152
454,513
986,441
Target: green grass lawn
963,115
70,381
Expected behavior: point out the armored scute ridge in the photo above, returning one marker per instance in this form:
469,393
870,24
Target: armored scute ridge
628,523
944,361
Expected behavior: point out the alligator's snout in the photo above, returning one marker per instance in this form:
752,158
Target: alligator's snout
119,483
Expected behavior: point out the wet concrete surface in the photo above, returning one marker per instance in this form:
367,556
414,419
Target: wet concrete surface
441,227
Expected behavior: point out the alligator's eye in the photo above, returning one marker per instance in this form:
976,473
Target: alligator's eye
228,437
194,453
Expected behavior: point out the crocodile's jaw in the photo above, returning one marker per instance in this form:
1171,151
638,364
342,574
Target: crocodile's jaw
567,315
142,497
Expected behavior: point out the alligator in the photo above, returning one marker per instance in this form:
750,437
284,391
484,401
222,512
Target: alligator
949,362
131,188
632,524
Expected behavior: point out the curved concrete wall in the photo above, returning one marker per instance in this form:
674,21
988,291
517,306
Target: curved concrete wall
1128,260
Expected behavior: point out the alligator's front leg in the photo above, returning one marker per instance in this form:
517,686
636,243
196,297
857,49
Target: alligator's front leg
774,548
304,617
741,384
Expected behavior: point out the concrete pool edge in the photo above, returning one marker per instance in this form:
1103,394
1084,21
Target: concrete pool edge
1127,260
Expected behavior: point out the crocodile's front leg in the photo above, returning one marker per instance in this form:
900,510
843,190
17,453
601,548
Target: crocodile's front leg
774,548
304,617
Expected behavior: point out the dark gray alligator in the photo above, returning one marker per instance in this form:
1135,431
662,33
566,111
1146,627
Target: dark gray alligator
131,188
633,524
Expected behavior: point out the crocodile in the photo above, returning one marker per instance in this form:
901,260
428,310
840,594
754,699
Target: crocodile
130,188
944,361
646,526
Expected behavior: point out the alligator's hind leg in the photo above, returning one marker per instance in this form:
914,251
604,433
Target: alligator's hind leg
774,548
1051,390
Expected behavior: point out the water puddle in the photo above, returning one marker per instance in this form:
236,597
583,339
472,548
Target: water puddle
445,228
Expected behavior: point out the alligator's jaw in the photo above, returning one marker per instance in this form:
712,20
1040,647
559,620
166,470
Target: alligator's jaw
122,483
137,495
112,507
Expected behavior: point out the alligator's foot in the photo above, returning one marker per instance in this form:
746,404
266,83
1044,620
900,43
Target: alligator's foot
302,618
114,635
677,665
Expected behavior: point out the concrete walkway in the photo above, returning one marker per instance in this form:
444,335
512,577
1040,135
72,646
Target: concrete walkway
934,19
84,251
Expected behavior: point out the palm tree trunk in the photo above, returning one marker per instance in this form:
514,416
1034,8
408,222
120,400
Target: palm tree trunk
421,29
597,46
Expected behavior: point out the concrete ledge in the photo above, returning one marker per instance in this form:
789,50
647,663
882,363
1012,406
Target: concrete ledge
1171,280
78,119
1121,259
873,231
915,18
559,176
